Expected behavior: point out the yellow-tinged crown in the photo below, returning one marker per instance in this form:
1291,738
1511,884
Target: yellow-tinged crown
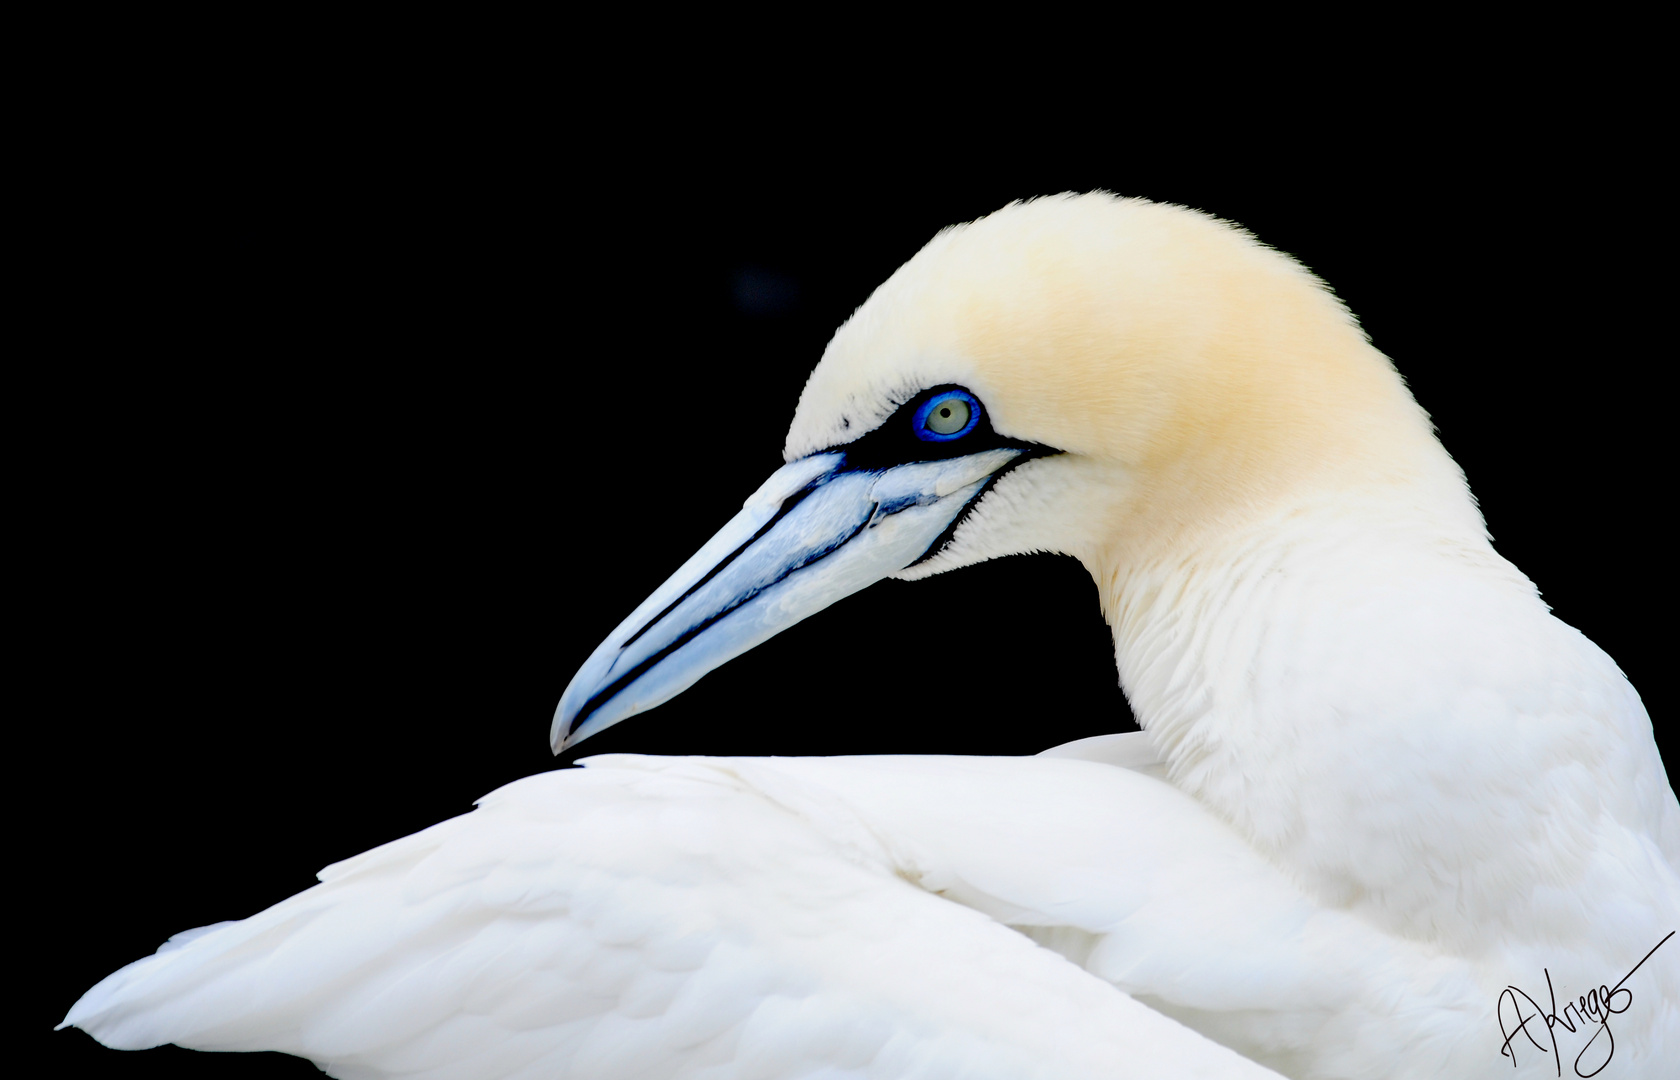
1207,371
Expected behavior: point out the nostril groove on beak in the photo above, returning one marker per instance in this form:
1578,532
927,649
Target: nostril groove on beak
612,689
786,508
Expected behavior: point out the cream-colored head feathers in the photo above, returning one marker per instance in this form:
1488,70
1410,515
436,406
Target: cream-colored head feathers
1189,373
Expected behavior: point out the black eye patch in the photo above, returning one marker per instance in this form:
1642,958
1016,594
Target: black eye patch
905,436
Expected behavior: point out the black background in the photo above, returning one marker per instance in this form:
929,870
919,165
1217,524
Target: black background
356,419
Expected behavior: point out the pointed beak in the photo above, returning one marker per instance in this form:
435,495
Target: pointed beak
815,532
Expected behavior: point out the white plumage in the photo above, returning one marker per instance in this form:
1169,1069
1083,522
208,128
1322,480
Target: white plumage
660,917
1379,783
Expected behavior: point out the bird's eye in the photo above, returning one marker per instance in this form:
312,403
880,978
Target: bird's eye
946,416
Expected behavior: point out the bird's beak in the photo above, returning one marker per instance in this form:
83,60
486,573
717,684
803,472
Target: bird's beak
815,532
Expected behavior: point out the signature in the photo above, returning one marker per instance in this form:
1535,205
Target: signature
1595,1007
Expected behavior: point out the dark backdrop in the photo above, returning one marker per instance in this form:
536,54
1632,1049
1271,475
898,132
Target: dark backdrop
361,422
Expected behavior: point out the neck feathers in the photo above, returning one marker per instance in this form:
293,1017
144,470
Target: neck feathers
1381,703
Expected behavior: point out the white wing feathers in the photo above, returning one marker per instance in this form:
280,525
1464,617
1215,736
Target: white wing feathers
1130,750
1142,886
652,917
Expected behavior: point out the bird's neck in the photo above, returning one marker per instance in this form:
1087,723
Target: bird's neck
1381,704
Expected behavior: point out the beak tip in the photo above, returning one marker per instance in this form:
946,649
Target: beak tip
560,732
563,733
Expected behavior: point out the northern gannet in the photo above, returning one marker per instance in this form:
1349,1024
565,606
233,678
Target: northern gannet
1380,785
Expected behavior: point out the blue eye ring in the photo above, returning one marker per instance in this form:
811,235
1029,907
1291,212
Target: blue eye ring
919,423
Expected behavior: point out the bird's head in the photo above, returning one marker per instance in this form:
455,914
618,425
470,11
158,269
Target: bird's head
1114,379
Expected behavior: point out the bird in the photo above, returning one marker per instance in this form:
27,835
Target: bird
1386,815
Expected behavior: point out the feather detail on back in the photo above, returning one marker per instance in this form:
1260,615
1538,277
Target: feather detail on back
643,917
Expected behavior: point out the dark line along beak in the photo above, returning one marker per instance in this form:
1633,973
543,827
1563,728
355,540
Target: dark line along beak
814,533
